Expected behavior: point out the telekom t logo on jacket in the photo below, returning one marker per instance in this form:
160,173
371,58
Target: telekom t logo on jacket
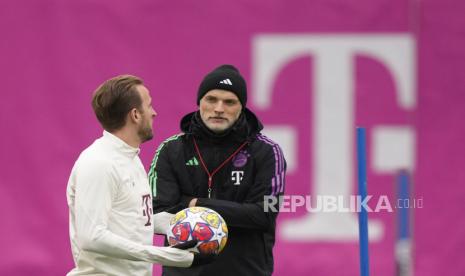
147,212
236,177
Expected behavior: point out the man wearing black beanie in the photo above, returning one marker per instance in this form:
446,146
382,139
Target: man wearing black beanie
221,161
225,77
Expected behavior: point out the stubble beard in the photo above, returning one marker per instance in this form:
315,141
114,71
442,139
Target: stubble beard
145,133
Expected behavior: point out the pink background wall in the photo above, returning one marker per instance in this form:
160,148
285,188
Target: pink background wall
53,54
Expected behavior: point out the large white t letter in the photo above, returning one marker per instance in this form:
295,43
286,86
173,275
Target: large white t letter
333,113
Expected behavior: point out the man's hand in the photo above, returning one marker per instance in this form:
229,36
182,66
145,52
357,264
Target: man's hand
199,258
162,222
186,245
193,202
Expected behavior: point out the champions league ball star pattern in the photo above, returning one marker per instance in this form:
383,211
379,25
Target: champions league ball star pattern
202,224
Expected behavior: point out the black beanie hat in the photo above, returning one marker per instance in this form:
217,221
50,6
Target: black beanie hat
225,77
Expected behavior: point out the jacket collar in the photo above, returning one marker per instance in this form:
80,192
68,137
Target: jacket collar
245,128
120,145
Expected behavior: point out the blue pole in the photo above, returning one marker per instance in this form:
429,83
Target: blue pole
362,192
403,251
403,231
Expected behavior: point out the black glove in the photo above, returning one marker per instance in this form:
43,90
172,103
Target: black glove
203,259
186,245
199,258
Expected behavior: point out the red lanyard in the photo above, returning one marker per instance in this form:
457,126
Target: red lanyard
210,175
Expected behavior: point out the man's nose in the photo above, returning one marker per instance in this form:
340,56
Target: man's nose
219,107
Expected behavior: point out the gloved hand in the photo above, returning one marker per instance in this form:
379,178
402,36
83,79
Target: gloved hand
186,245
203,259
199,258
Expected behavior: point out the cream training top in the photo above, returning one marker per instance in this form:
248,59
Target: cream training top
110,213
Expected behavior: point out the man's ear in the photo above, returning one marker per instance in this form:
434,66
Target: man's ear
134,115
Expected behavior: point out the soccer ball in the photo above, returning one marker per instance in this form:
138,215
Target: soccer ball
202,224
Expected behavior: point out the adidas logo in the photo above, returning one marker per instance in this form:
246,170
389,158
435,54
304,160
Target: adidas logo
226,81
192,162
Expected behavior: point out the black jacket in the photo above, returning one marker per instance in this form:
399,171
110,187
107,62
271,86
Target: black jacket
176,175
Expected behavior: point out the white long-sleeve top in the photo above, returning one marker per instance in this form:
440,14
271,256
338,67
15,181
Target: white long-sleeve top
110,213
